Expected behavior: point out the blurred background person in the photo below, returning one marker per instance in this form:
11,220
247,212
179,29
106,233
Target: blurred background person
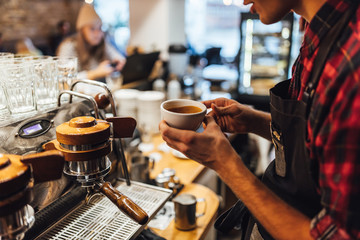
26,47
97,58
63,30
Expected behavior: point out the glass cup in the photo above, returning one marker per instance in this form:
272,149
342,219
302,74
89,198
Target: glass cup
4,112
67,71
18,85
45,81
5,59
6,55
22,55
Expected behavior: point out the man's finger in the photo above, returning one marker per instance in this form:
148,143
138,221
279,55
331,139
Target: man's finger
217,101
208,120
165,129
174,133
208,103
179,146
221,110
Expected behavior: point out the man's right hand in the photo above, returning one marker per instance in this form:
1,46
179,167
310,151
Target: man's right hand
230,115
234,117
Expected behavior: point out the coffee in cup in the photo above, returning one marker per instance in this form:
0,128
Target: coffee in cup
183,113
185,109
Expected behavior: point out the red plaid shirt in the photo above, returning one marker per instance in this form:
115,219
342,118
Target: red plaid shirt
336,147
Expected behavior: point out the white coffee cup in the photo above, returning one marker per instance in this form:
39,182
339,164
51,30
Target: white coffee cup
126,102
187,121
148,114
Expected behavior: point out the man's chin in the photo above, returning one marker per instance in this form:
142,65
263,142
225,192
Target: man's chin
269,20
253,10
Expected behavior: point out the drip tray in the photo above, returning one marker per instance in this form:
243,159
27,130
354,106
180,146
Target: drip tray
101,219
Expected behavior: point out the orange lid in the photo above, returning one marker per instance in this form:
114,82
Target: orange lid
14,175
83,131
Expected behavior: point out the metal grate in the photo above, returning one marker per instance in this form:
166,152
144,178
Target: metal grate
101,219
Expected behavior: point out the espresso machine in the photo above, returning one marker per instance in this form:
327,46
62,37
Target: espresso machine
84,203
17,177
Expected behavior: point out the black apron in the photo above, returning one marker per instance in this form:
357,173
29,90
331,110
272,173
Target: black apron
291,176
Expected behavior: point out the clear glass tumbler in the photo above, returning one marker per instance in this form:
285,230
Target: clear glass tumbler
18,85
67,71
46,83
4,111
6,55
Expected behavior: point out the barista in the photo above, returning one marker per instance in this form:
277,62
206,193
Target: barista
311,190
97,57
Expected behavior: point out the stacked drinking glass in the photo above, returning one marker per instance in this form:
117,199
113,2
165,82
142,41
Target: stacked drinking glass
29,84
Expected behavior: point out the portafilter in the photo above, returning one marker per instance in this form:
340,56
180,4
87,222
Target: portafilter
102,101
85,143
17,177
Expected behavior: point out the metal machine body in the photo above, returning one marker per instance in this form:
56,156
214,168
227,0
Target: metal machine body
56,201
14,226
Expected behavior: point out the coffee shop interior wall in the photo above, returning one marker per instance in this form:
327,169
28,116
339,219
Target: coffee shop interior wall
35,19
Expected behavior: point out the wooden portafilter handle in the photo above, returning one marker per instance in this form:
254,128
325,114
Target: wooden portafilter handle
125,204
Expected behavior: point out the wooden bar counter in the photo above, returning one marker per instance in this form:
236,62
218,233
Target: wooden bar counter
187,171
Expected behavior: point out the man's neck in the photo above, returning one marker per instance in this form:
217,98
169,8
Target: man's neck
308,8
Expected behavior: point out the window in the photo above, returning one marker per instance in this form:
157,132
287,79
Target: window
214,23
115,17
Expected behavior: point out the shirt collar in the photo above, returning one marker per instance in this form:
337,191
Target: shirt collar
325,18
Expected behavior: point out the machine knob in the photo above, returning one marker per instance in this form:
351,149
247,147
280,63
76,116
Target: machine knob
102,100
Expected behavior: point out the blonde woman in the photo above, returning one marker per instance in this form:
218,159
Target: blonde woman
97,58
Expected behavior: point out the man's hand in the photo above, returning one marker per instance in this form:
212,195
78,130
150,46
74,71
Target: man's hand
210,148
230,115
234,117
